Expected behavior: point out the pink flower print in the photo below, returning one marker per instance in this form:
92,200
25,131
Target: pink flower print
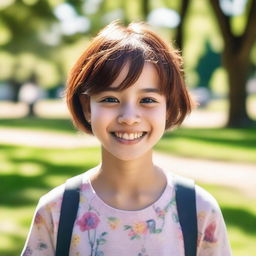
88,221
160,213
140,228
209,233
131,233
39,219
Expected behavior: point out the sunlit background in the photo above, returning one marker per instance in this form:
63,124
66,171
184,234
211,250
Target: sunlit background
216,145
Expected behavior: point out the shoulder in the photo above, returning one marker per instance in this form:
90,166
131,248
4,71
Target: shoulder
54,197
212,232
205,201
209,214
203,198
51,201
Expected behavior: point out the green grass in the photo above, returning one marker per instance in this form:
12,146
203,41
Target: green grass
26,173
239,212
211,143
39,124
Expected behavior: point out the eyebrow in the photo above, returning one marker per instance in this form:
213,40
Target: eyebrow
116,89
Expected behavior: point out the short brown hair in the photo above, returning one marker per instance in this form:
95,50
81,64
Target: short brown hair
101,63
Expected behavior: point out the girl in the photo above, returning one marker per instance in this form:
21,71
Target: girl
126,89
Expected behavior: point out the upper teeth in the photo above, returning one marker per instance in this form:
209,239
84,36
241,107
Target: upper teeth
129,136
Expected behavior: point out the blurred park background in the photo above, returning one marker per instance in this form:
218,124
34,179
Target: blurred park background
40,149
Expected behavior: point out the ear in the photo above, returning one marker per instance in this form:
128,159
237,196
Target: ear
85,103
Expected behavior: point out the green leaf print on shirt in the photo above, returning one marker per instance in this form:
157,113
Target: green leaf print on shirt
138,229
141,229
113,222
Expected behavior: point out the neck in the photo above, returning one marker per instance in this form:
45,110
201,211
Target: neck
126,176
128,185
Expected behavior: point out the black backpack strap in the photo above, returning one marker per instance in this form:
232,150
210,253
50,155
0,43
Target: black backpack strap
186,207
68,214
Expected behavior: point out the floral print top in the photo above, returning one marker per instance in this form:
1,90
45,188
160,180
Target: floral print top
101,230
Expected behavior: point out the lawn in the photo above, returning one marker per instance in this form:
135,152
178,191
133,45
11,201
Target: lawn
39,124
26,173
209,143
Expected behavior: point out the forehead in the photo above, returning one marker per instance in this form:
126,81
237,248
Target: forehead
147,78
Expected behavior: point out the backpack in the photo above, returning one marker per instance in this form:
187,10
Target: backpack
186,207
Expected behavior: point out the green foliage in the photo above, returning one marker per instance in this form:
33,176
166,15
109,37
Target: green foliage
24,22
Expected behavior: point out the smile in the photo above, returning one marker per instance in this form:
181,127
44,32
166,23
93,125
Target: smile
128,136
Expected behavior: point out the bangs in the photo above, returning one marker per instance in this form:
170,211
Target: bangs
109,64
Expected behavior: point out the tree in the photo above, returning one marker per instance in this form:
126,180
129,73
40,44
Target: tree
24,22
179,32
236,60
145,9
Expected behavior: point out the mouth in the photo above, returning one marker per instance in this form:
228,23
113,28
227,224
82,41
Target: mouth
125,136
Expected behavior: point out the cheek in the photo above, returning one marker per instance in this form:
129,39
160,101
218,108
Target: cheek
158,114
101,117
158,118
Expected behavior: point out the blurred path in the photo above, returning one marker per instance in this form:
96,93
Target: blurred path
238,175
45,139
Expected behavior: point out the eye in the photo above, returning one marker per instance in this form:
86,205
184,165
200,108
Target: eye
148,100
110,100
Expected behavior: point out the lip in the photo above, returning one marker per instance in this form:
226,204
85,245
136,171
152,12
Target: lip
128,131
128,142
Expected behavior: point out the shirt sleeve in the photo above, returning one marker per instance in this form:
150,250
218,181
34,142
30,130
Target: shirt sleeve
41,240
212,232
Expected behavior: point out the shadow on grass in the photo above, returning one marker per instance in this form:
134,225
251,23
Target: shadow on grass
38,123
21,188
225,136
14,184
240,218
26,173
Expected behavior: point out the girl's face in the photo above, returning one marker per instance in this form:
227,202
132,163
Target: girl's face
130,122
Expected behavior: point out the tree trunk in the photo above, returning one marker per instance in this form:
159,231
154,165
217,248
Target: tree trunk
125,6
236,61
145,9
237,71
31,110
179,40
15,87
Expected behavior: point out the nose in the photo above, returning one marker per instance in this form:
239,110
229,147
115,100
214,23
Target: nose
129,116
